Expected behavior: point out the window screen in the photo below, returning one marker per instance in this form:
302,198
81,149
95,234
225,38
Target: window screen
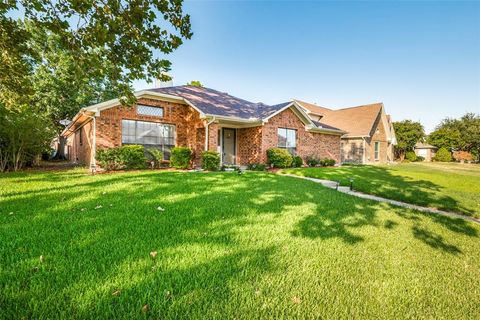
149,134
377,150
287,138
150,111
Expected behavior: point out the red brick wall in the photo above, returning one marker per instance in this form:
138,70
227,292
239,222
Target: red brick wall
249,148
190,128
308,143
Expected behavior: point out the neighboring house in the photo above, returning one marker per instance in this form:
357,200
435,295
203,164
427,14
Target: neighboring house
425,150
201,119
369,136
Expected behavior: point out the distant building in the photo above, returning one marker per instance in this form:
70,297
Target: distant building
425,150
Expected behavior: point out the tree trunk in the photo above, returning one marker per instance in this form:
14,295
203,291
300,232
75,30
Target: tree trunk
60,155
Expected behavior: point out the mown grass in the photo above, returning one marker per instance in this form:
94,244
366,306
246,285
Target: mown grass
246,246
449,186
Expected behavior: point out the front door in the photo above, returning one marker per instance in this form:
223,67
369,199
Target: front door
228,146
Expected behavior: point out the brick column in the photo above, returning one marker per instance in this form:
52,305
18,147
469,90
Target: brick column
213,137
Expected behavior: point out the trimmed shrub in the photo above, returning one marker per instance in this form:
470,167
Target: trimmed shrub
210,160
257,166
124,157
312,161
107,158
410,156
327,162
133,156
462,156
420,159
297,162
157,156
442,155
279,158
180,157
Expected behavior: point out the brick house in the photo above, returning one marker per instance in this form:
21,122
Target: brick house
369,135
201,119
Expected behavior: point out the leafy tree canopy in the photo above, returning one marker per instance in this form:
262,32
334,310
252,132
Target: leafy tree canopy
458,134
63,55
118,40
195,83
408,133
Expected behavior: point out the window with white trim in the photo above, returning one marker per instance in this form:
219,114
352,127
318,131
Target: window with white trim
149,134
377,150
149,111
287,139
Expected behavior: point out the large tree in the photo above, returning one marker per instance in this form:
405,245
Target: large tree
129,36
458,134
408,133
63,55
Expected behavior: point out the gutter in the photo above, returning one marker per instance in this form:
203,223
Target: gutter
206,132
233,119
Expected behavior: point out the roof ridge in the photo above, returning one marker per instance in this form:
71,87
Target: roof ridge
359,106
312,103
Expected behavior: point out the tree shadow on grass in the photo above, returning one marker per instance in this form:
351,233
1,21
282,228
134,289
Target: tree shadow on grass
93,244
380,181
331,222
198,234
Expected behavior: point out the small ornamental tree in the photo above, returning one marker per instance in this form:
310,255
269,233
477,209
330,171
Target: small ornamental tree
443,155
462,156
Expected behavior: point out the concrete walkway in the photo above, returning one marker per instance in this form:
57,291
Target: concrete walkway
333,185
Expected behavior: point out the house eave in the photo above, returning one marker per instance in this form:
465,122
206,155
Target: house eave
325,131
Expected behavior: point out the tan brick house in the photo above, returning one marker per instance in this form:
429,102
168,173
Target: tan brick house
201,119
369,136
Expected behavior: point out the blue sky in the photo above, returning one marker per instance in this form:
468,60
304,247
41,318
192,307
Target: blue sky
422,59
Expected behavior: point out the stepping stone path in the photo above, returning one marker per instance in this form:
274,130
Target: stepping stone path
333,185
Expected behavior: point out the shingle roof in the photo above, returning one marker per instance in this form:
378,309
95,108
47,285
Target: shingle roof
313,107
218,103
421,145
325,126
357,121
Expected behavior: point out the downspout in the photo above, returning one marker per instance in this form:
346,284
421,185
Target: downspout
93,162
206,132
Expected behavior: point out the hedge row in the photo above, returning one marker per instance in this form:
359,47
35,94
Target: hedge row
133,157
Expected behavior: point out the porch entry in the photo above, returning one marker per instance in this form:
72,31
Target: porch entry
229,146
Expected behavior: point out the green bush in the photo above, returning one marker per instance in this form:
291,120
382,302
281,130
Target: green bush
210,160
420,159
312,161
411,156
297,162
327,162
124,157
257,166
279,158
443,155
180,157
157,156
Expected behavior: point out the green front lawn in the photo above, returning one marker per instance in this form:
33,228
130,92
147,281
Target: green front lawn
449,186
246,246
